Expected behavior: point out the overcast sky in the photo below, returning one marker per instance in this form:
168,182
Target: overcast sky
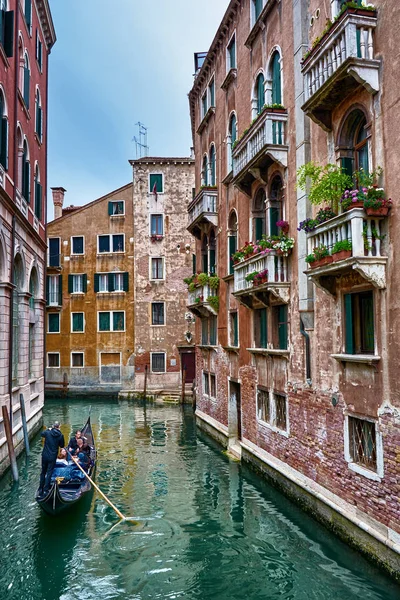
113,67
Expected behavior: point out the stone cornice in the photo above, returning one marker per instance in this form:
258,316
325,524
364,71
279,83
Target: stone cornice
23,221
46,20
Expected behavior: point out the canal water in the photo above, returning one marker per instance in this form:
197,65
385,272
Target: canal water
206,527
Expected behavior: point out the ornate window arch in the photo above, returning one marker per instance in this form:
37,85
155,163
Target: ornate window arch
213,166
231,139
258,99
204,171
204,254
3,129
26,172
258,215
233,237
354,141
275,203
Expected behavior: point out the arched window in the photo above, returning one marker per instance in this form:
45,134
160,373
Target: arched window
34,292
38,194
3,132
204,171
39,115
232,137
18,279
232,227
276,78
204,254
27,79
353,143
26,173
212,250
275,204
260,92
258,215
213,175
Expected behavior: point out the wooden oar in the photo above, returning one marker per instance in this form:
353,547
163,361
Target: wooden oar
119,513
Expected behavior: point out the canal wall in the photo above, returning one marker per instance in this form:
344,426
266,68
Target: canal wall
34,425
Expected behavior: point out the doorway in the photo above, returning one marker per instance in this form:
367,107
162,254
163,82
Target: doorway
188,362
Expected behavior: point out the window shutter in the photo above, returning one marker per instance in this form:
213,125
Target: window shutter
347,166
232,250
111,282
126,282
273,219
37,45
40,55
9,33
259,228
84,283
60,291
205,263
47,289
4,143
235,329
260,93
38,200
27,75
276,80
194,263
26,186
263,328
70,284
367,322
96,282
110,208
39,120
282,327
212,262
348,313
28,13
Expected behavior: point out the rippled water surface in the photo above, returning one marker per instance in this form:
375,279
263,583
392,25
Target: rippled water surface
206,527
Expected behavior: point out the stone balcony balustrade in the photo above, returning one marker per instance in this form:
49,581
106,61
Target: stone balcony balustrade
264,143
366,254
339,63
203,210
198,301
278,284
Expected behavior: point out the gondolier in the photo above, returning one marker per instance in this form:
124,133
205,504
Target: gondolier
53,440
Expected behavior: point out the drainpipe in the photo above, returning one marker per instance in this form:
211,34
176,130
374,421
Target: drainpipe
308,352
10,332
45,219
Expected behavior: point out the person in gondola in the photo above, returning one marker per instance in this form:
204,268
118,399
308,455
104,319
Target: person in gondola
84,460
53,440
62,459
73,442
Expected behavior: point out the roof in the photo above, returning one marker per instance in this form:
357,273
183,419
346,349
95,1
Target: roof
161,159
47,22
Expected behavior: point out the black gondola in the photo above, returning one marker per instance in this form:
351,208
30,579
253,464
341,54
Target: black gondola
67,490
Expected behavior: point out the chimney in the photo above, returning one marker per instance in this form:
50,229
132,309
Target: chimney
58,200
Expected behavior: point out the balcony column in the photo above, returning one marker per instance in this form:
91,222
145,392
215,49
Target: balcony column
334,8
350,36
357,240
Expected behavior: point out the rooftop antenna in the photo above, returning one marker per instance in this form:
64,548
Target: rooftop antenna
142,149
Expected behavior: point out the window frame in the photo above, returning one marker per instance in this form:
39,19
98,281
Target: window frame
231,42
150,187
272,422
360,468
74,278
162,224
111,243
357,324
165,362
151,278
74,237
206,384
80,312
161,303
74,353
57,314
53,354
116,202
111,313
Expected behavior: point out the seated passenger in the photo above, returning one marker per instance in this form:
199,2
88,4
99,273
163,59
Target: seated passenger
73,442
84,460
62,459
79,446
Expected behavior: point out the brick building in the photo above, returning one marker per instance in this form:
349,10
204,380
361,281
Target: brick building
26,38
89,298
296,367
162,191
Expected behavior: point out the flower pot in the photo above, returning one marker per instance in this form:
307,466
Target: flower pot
321,262
355,205
383,211
342,255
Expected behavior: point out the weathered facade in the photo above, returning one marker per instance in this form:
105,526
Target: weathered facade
162,191
89,298
297,373
26,38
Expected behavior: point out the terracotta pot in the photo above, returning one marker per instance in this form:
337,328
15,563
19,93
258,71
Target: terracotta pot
342,255
355,205
321,262
383,211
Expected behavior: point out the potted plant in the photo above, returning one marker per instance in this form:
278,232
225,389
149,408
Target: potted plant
324,184
319,257
213,282
283,226
202,279
375,203
213,302
261,277
250,276
341,250
284,245
352,199
274,108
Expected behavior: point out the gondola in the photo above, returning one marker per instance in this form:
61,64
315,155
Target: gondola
65,491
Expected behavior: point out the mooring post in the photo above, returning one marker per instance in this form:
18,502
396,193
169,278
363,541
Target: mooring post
65,385
145,382
183,383
24,424
11,451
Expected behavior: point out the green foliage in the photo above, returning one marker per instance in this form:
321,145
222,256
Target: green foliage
319,253
191,287
310,258
213,282
342,245
250,276
202,279
213,302
324,183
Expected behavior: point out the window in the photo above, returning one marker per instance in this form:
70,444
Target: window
213,393
39,51
263,405
204,171
3,132
77,284
260,328
111,243
204,105
119,282
6,28
157,313
26,173
234,329
231,54
156,225
206,384
272,408
258,215
53,252
362,442
26,80
158,362
354,143
77,322
208,98
111,321
213,174
280,334
28,13
232,238
77,359
257,9
77,244
53,360
276,79
212,254
53,323
359,323
156,183
275,204
54,290
211,93
157,268
111,282
209,331
260,93
213,330
38,116
116,208
204,332
232,137
280,411
38,194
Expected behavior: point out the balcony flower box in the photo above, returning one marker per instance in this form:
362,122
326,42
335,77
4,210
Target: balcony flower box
342,255
355,205
383,211
321,262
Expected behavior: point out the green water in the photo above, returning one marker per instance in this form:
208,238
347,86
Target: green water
206,526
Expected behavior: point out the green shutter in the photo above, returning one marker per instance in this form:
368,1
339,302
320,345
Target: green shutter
258,6
259,228
276,80
104,321
96,282
260,93
84,283
25,187
205,263
110,208
70,284
194,263
9,33
38,200
4,143
126,282
77,322
235,329
212,262
28,13
232,250
60,291
274,215
47,290
263,328
348,314
111,282
40,57
27,76
347,166
283,327
367,322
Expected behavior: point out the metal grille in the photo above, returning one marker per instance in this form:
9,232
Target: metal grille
363,442
280,411
263,406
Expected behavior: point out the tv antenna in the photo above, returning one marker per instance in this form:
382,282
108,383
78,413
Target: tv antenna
142,149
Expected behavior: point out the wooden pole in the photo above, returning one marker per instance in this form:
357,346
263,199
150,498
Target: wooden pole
145,382
24,424
183,383
96,487
11,451
65,384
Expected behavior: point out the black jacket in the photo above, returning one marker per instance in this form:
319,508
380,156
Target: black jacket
53,440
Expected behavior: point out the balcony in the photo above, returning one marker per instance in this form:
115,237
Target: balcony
339,63
203,211
263,144
276,289
365,258
198,302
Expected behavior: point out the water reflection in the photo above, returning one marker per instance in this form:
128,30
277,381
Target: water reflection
206,526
